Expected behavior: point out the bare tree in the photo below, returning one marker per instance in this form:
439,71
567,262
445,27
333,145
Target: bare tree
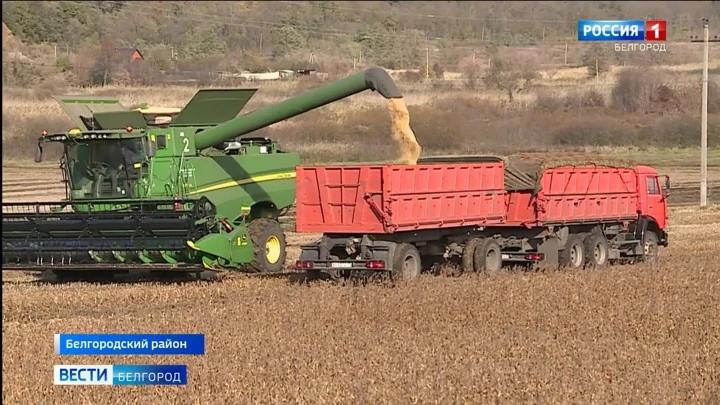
472,74
106,63
510,75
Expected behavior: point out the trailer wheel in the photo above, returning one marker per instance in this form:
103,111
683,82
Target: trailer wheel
468,255
596,250
406,262
269,246
650,247
488,256
573,255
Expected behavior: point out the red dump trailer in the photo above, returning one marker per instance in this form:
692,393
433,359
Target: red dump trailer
477,210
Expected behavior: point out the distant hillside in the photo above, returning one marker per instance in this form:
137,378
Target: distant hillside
331,35
381,28
11,47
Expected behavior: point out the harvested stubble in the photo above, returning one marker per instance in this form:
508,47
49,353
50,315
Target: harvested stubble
637,334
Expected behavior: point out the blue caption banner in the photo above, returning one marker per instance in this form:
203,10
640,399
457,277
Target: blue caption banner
125,344
615,30
120,374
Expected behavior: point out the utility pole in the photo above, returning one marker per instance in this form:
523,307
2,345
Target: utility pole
703,124
597,72
427,63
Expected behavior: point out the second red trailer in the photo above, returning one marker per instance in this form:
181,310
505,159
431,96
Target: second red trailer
480,211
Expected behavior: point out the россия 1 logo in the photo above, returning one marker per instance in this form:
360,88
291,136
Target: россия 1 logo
622,30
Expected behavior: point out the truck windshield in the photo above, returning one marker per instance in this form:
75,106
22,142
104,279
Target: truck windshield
104,168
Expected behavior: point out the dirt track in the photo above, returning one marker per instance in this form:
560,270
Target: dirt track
30,182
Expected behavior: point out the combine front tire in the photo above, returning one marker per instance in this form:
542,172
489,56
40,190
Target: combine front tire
269,246
406,262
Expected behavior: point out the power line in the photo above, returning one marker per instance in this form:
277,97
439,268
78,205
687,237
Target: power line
483,19
249,23
214,18
394,12
207,18
230,20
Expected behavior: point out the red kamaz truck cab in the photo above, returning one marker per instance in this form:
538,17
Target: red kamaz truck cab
653,198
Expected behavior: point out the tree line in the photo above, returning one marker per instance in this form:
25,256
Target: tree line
387,32
260,36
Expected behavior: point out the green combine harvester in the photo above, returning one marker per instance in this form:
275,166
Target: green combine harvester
147,196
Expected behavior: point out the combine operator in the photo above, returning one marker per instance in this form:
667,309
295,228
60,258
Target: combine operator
123,159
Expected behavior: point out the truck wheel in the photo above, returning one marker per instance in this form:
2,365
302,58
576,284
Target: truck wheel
468,255
406,262
650,247
596,250
269,245
488,256
573,255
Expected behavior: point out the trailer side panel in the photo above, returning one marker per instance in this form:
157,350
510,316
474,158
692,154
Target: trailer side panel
587,194
376,199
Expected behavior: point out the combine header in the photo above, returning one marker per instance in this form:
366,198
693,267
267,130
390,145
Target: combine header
143,195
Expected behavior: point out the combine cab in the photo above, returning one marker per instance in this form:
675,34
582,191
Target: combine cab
187,192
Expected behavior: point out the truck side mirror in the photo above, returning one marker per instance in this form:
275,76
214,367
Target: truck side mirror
38,153
666,190
151,148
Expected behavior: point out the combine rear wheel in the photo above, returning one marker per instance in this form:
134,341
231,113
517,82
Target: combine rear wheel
596,250
406,262
269,246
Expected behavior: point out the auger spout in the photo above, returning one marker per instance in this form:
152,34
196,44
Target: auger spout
375,79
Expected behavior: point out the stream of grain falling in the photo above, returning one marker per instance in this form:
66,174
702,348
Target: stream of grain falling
401,132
